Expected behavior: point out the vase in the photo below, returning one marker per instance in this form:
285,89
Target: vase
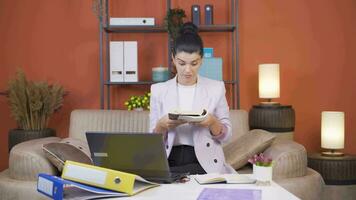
262,174
19,135
160,74
138,109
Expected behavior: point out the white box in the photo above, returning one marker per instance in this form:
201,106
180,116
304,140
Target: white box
132,21
130,61
116,61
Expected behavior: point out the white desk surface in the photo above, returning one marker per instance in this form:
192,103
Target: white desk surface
192,189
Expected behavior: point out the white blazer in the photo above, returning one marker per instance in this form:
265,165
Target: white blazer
210,95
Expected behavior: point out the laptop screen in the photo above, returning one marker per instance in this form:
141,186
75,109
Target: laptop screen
138,153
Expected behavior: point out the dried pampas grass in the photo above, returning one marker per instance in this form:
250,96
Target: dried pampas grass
33,103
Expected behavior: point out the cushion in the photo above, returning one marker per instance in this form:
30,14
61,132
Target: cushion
67,149
27,160
290,159
241,149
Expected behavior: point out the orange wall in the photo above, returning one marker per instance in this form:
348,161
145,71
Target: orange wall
51,40
312,40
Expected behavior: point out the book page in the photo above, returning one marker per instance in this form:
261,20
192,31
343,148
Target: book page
188,112
189,116
142,184
238,178
209,178
75,193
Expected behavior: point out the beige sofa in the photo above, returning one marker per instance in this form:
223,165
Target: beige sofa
27,159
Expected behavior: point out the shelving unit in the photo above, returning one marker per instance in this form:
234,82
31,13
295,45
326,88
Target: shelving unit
104,36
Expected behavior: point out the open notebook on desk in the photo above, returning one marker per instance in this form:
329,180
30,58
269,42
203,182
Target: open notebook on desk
224,178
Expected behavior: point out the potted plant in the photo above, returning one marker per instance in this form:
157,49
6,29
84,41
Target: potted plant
139,103
32,104
262,168
173,21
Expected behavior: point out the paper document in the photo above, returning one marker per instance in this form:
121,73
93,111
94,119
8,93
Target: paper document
230,194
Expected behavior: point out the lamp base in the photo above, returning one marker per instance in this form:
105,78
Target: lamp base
332,153
269,103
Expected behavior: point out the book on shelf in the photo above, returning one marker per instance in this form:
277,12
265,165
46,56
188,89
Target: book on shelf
230,194
105,178
224,178
189,116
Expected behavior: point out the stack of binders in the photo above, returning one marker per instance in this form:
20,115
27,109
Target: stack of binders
123,61
82,181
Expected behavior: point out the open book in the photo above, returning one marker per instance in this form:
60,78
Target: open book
224,178
189,116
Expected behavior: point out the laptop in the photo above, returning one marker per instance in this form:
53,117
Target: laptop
142,154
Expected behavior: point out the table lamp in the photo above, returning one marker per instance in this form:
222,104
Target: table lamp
268,82
332,132
271,116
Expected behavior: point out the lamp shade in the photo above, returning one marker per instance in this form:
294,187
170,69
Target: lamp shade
332,129
268,81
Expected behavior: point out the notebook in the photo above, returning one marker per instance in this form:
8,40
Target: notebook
224,178
142,154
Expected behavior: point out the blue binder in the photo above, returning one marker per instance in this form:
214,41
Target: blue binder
57,188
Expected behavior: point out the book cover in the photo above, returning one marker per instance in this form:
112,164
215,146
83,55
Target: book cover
230,194
224,178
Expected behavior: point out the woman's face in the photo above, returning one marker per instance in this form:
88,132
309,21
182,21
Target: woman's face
187,65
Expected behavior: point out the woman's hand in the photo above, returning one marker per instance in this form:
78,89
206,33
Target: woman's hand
212,123
207,122
165,124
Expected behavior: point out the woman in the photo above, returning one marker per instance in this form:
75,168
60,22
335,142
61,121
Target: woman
191,147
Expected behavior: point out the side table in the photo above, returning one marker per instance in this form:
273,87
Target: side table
276,118
339,174
334,170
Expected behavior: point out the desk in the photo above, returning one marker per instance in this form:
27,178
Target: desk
191,190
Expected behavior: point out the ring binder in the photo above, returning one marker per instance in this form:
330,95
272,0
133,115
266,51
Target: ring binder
196,14
208,14
105,178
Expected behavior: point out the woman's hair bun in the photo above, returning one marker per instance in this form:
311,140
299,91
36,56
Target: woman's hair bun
189,28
